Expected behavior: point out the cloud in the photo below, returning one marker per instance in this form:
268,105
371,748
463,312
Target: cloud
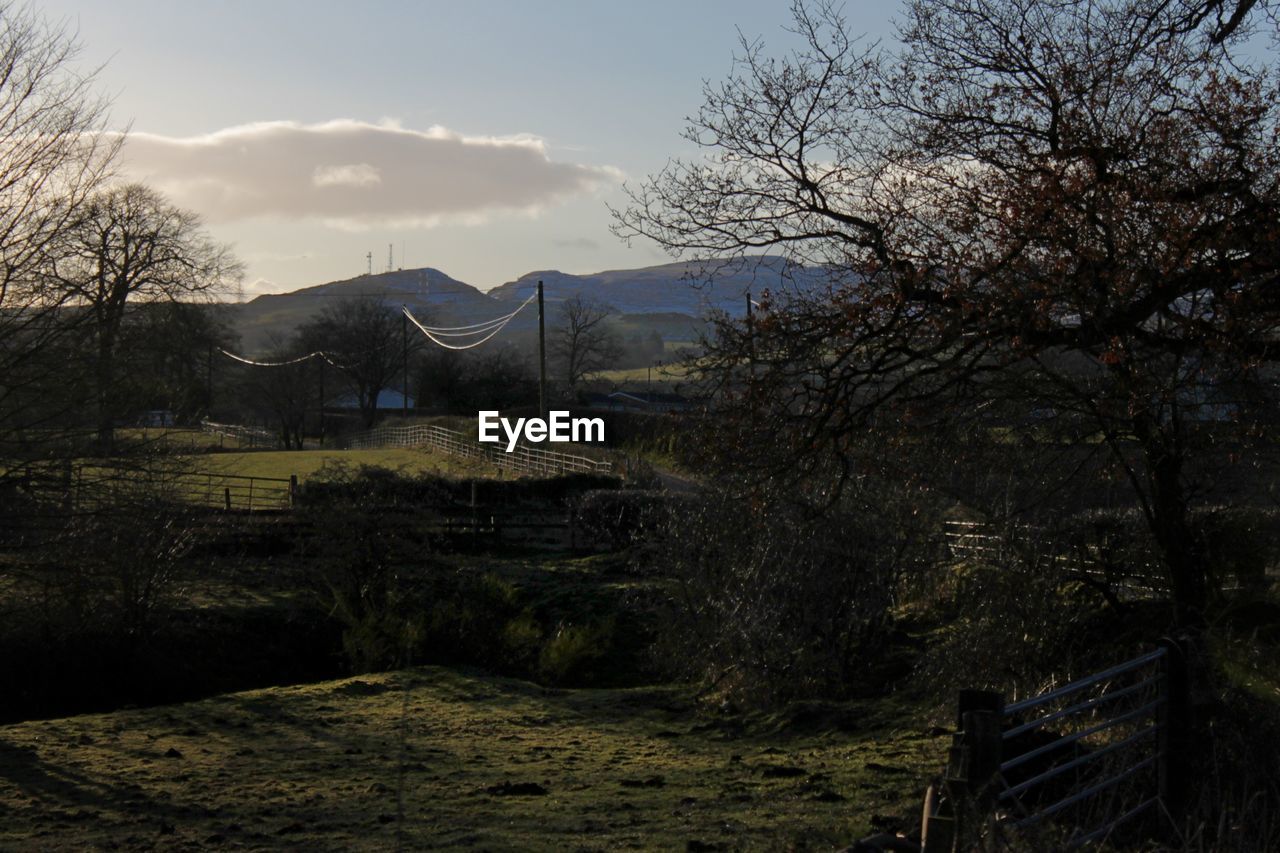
585,243
353,175
356,175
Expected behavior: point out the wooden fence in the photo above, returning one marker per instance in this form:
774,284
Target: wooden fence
1089,761
87,486
979,540
523,459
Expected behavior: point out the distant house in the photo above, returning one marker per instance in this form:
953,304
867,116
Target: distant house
638,401
388,399
156,418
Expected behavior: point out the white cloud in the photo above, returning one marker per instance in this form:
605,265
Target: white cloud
351,175
356,175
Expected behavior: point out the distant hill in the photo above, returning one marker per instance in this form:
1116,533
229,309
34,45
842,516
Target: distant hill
670,298
683,287
426,291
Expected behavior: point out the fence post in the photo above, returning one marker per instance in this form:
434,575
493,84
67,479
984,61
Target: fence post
973,761
293,488
1174,721
475,519
226,498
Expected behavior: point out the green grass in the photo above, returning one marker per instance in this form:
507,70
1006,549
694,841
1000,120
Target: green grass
478,762
305,463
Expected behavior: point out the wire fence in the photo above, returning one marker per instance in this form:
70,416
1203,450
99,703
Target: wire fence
523,459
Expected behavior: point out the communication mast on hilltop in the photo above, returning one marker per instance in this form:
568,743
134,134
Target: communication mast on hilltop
368,256
389,247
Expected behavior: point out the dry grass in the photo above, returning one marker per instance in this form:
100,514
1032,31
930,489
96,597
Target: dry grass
482,763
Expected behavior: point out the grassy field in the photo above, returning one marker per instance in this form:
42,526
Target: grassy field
433,757
305,463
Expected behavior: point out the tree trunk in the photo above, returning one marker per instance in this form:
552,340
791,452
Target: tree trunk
105,377
1184,560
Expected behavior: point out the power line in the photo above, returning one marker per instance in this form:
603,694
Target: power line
317,354
488,328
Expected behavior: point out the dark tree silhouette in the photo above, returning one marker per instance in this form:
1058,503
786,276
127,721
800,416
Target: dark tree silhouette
1073,204
582,342
54,153
363,335
127,245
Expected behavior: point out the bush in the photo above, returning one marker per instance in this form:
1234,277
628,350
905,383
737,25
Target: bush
574,653
481,620
773,600
618,518
363,530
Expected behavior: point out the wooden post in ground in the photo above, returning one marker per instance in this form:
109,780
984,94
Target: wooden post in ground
475,519
954,813
1173,717
404,366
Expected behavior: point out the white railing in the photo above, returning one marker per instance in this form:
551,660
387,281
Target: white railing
524,459
253,436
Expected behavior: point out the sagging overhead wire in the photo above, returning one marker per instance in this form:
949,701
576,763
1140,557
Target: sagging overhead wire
476,327
317,354
488,328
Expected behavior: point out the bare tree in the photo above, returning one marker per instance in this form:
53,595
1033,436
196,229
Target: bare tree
169,356
365,337
284,388
125,245
54,153
1074,204
583,343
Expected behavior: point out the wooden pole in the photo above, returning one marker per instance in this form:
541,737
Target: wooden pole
322,402
542,357
208,395
404,375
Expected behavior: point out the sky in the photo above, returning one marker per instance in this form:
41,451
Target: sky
485,139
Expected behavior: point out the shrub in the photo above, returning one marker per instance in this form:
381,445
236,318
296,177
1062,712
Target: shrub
364,529
618,518
575,652
774,600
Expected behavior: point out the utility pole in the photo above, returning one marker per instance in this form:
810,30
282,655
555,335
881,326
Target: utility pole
542,358
322,401
751,340
208,396
404,376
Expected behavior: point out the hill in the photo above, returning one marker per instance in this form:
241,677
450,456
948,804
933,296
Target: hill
689,288
669,298
427,291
